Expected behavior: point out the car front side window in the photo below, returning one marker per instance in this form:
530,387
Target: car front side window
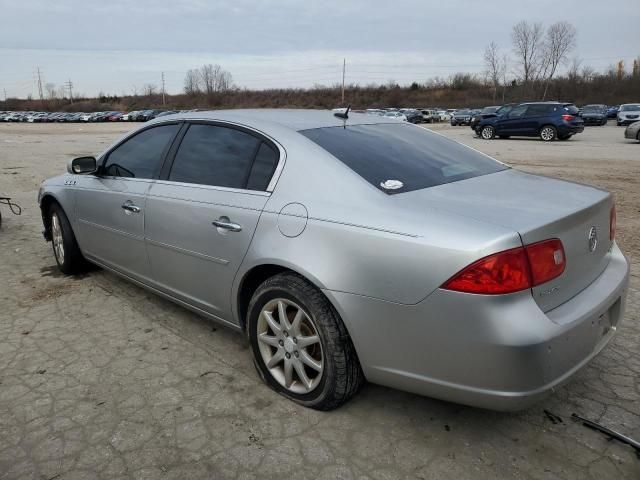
140,156
518,112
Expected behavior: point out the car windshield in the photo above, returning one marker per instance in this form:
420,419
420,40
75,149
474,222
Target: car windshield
592,108
462,112
401,158
490,109
630,107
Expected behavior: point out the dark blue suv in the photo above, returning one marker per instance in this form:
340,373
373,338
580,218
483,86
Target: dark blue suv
547,120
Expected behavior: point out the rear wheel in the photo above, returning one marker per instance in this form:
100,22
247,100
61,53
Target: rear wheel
65,247
487,132
548,133
300,346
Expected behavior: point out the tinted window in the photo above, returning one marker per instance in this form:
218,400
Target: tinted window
212,155
518,111
539,110
572,109
387,153
263,167
140,156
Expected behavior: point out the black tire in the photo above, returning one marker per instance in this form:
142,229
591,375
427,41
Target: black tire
72,262
487,132
342,375
453,124
548,133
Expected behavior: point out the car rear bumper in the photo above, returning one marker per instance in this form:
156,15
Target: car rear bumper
497,352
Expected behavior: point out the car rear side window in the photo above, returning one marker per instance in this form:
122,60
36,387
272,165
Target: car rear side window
263,167
214,155
140,155
539,110
397,158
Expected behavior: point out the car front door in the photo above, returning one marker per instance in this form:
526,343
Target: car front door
110,208
512,123
202,213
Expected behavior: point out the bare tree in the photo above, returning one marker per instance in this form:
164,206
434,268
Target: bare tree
574,69
149,90
492,66
50,88
214,79
192,82
560,40
527,39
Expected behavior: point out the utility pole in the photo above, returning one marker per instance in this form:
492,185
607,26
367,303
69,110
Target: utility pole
163,102
344,65
40,85
69,85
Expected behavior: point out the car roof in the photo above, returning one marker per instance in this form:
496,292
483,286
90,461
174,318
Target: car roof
294,119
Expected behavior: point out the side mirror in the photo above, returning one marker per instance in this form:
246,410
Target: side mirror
82,166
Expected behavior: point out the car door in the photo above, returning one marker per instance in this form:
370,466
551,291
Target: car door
202,213
110,208
512,123
535,117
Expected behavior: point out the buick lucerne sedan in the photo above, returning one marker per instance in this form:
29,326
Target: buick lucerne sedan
353,249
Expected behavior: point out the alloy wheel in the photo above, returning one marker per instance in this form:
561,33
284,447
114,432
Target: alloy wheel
56,237
547,134
290,346
487,133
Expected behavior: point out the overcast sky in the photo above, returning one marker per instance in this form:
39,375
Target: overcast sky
117,46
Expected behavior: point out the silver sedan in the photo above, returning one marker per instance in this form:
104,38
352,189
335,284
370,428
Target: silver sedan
633,131
353,248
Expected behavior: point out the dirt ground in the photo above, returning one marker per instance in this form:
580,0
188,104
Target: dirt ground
101,379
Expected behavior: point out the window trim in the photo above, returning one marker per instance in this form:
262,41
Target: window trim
105,156
261,136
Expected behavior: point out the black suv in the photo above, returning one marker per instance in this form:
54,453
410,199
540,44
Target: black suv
547,120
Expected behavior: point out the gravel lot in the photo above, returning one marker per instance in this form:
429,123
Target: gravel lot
100,379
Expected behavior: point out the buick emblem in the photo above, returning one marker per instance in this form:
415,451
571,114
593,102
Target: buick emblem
593,239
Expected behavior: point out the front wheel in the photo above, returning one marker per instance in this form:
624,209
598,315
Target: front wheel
65,247
548,133
487,132
300,346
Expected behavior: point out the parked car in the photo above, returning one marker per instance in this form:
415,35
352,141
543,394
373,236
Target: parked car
115,116
430,115
547,120
489,112
444,115
612,112
594,114
436,259
395,115
412,115
633,131
628,113
461,117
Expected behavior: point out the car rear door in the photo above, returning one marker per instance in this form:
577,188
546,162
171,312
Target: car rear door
110,208
512,123
203,211
535,117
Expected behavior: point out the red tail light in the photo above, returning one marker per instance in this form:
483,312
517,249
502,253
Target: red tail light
546,260
511,270
612,223
504,272
568,118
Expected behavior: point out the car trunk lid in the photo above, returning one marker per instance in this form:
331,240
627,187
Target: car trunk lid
538,208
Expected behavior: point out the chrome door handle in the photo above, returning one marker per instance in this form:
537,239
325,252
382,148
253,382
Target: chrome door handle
226,224
129,207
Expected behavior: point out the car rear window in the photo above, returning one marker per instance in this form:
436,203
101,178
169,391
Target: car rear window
397,158
572,109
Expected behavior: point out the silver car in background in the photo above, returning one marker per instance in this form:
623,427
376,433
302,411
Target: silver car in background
633,131
628,113
353,248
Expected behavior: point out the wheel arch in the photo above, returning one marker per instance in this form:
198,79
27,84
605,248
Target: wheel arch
46,201
253,277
